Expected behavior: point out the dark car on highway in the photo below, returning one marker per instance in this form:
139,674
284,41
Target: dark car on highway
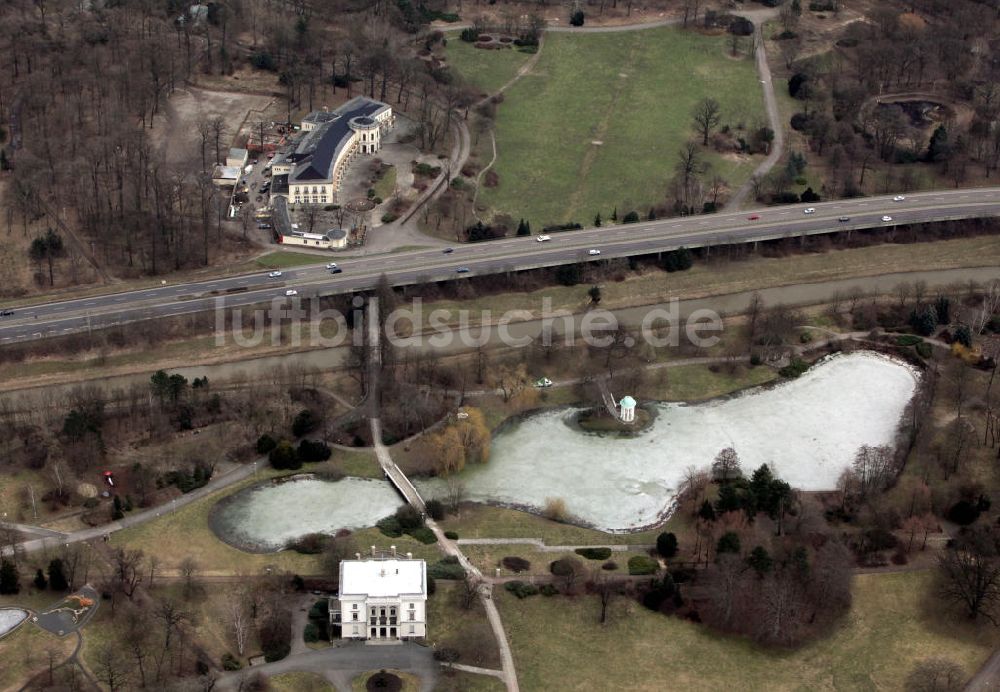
336,270
6,313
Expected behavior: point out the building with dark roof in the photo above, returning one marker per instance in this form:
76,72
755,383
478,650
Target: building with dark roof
330,141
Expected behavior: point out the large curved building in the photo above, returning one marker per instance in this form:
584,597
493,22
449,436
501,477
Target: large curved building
313,171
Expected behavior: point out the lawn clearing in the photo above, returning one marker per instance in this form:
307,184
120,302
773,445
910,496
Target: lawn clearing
281,259
25,653
385,186
487,70
888,630
466,631
460,681
631,93
299,682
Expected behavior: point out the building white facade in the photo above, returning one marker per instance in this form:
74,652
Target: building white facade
381,599
627,409
332,139
334,239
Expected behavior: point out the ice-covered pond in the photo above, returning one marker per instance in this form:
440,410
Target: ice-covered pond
807,429
265,517
11,618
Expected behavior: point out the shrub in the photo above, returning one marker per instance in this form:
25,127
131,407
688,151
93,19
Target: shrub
408,518
310,633
631,217
610,565
262,60
594,553
565,566
469,35
446,570
435,510
283,456
555,509
313,450
230,662
451,535
794,369
91,502
320,610
516,564
424,535
446,655
310,544
390,527
521,589
577,18
666,544
908,340
642,564
963,512
265,443
389,217
924,349
548,590
305,422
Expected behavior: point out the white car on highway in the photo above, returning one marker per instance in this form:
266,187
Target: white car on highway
594,252
543,238
332,265
291,292
809,210
887,218
274,275
898,198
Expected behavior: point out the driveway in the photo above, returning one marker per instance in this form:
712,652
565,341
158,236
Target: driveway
342,664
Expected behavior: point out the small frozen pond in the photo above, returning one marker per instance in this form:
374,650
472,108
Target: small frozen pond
265,517
808,430
11,618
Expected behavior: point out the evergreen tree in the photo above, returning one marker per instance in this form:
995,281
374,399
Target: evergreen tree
597,220
943,307
522,228
9,580
938,149
117,511
57,577
666,544
760,561
614,214
652,215
595,294
40,581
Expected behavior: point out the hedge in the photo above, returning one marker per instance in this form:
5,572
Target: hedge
594,553
642,564
521,589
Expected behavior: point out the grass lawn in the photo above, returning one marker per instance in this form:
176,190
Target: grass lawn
460,681
633,93
887,631
299,682
466,631
25,653
385,186
487,70
485,521
697,382
281,259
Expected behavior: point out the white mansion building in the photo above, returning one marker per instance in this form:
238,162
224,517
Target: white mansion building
381,598
313,171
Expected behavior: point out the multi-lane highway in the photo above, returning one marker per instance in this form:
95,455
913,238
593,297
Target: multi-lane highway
359,273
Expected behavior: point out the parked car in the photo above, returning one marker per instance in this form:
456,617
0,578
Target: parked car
593,252
809,210
887,218
291,292
544,238
274,275
844,219
898,198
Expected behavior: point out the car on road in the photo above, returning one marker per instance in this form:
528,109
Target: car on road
544,238
462,270
753,217
336,270
274,275
809,210
6,313
843,219
291,292
593,252
448,250
887,218
898,198
332,265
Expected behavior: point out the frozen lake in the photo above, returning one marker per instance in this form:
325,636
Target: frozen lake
11,618
265,517
808,430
